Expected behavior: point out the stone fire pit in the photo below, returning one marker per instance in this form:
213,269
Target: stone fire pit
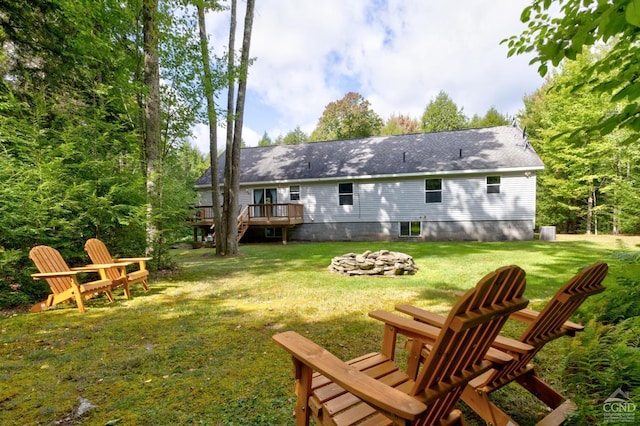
383,262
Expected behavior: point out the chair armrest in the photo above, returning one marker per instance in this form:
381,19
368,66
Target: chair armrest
40,275
525,315
132,259
421,315
359,384
497,357
529,315
408,327
499,347
507,344
93,267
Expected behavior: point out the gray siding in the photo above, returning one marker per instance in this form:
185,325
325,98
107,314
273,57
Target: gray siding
464,198
467,211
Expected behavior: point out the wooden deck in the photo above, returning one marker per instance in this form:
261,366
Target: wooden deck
279,215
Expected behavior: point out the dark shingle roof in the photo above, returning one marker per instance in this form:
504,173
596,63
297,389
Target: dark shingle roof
491,149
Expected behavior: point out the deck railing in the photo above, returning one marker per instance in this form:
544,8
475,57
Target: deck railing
261,214
292,213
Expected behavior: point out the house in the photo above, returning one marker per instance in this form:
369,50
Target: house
473,184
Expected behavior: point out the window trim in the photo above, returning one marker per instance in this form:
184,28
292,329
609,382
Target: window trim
409,224
493,187
294,195
428,192
345,198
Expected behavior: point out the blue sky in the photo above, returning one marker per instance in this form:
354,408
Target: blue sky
397,54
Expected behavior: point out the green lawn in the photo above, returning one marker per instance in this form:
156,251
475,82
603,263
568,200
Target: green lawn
197,348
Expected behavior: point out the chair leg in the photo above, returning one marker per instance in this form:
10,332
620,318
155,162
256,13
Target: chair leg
479,402
127,292
454,419
79,302
414,358
541,390
303,391
46,304
559,415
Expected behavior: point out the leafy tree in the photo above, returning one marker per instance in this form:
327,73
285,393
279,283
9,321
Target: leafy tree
265,140
67,127
72,127
587,178
226,236
491,118
209,89
442,114
400,125
152,130
348,118
579,26
294,137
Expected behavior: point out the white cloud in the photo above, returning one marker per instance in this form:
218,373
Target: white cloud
397,53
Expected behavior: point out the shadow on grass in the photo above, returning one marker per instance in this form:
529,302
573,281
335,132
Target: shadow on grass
167,363
197,347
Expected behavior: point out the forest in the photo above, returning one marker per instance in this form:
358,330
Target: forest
82,154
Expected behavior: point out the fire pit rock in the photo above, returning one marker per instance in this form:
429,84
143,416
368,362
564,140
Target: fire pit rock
382,262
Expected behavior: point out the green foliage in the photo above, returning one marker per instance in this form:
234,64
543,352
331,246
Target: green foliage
580,26
10,294
491,118
442,114
597,362
348,118
70,136
604,357
294,137
265,140
400,125
622,294
588,181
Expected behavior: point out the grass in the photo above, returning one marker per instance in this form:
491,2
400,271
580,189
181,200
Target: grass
197,348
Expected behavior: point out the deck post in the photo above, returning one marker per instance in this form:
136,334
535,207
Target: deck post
284,235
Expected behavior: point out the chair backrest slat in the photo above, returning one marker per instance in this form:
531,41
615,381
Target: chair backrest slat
550,321
470,329
48,259
99,254
565,302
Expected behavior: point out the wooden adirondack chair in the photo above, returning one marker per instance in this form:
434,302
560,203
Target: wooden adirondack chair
63,281
116,269
373,390
551,323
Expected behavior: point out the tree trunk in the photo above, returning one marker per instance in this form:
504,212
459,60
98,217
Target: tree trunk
229,224
589,211
213,124
152,131
238,123
594,204
234,128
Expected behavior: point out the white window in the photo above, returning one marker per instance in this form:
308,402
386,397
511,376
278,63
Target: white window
493,184
345,194
294,192
410,229
433,190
